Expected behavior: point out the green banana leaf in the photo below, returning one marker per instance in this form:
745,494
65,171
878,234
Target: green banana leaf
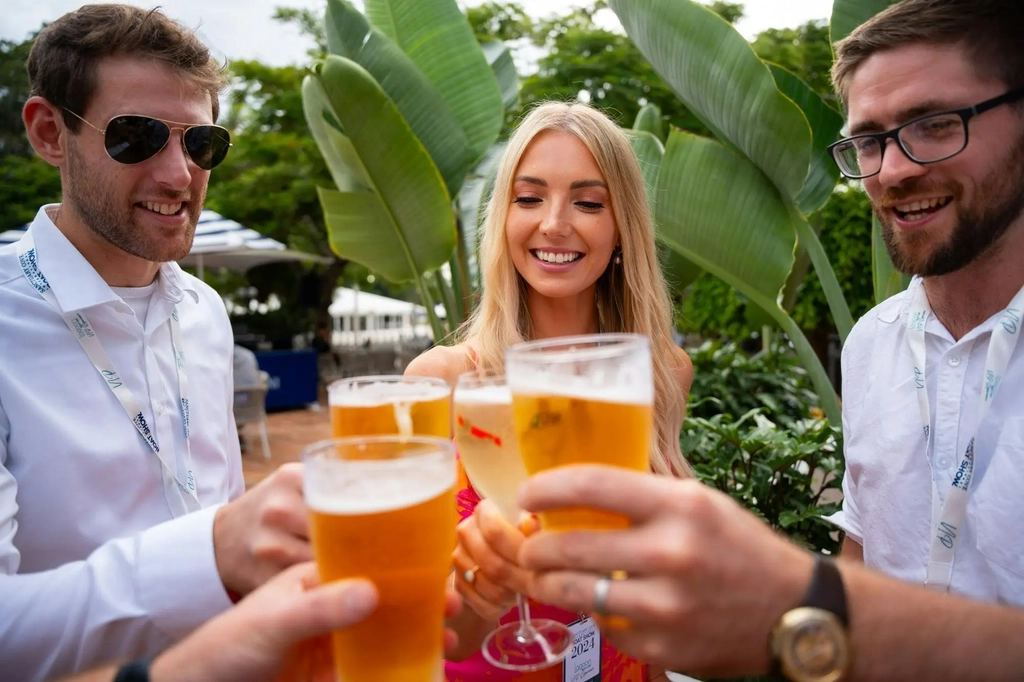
473,205
826,275
679,272
342,161
849,14
719,211
437,37
500,59
649,151
825,123
649,119
350,35
887,279
715,72
403,225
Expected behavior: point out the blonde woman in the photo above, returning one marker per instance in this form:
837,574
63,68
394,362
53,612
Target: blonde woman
568,248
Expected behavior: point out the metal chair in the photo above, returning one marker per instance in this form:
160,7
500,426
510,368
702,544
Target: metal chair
250,408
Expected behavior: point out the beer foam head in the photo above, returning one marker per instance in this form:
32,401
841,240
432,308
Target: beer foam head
625,387
484,395
373,394
614,368
374,486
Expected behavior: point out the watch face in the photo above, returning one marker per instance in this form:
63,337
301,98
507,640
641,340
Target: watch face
812,646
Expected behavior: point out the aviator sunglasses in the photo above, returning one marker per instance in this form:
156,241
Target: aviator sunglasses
131,139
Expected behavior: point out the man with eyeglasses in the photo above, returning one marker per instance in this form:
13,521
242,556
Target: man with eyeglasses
933,378
122,520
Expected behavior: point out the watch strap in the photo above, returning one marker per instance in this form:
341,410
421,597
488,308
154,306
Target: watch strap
826,590
136,671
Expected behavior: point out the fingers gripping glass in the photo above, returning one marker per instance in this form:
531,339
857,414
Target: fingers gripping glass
132,139
928,139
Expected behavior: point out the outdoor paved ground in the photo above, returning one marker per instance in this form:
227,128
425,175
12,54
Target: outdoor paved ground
289,433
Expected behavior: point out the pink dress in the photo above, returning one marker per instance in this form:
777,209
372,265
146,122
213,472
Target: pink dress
615,666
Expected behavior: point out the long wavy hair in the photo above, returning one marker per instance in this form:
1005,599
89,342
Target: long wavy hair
632,296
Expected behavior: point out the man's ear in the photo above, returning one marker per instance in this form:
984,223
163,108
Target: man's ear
45,129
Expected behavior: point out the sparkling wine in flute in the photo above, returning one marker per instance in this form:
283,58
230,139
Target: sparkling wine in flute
487,444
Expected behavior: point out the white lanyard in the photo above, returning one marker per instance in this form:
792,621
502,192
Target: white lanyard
948,521
179,480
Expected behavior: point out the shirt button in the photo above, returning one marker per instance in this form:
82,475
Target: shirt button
160,409
953,361
945,462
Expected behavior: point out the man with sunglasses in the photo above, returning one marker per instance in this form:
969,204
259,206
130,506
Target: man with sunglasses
933,378
122,520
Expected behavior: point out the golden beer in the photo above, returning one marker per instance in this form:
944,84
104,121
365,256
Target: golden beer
383,509
487,441
390,405
583,400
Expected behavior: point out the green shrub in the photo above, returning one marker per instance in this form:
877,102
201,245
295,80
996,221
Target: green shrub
728,380
783,475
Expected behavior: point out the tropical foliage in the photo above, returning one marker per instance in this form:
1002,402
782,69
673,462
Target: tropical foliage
403,109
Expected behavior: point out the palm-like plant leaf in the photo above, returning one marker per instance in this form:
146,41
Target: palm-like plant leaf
720,212
825,124
350,35
438,39
693,48
402,226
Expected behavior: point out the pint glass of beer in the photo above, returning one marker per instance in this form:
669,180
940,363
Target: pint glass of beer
383,508
390,405
583,400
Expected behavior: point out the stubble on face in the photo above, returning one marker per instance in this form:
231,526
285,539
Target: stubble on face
111,215
997,203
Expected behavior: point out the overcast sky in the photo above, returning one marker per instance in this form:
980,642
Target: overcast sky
243,29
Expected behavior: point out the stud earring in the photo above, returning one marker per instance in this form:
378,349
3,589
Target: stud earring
618,256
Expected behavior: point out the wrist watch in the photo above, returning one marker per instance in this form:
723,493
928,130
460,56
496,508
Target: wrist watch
810,642
136,671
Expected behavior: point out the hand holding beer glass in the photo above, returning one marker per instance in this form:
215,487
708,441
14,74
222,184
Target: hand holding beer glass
488,451
382,508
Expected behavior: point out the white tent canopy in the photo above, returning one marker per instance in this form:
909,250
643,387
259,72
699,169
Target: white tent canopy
220,243
360,316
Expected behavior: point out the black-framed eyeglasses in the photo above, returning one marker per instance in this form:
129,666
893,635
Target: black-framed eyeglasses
131,139
924,140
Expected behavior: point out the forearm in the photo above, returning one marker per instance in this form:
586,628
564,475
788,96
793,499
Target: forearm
900,632
130,597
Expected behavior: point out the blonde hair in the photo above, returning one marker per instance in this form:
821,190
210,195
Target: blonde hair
631,296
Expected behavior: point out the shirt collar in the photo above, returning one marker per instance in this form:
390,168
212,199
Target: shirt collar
75,282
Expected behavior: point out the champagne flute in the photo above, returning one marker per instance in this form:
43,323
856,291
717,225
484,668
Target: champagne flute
488,451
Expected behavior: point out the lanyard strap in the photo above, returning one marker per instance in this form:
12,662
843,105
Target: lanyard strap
179,480
948,520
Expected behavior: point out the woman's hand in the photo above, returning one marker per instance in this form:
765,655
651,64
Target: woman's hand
487,551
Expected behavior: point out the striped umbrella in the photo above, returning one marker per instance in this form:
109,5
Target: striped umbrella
221,243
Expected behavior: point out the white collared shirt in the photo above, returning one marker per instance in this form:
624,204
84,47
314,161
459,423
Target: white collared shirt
887,488
93,566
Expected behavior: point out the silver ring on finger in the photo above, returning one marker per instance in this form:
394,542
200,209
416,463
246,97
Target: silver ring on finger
601,589
470,575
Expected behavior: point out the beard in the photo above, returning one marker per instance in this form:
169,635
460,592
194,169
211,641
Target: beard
111,217
980,224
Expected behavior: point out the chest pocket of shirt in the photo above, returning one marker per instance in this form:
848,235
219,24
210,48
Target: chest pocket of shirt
999,512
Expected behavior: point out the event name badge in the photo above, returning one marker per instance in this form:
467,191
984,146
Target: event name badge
583,664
